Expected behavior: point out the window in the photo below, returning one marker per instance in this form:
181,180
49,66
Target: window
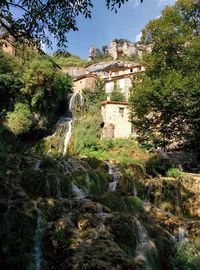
121,111
131,70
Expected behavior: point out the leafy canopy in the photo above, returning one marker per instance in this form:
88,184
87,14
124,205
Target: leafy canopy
165,106
35,18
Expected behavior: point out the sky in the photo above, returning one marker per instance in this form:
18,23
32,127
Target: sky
105,25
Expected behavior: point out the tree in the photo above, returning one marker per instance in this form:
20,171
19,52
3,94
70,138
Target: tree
116,94
165,106
20,120
35,17
46,89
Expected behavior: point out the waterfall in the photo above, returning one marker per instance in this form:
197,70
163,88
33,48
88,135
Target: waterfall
87,179
100,212
58,188
67,137
115,173
38,240
177,202
113,185
80,194
134,188
149,191
110,167
73,101
181,234
37,164
142,233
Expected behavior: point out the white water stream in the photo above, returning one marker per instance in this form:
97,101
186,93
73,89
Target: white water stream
67,137
80,194
113,170
181,234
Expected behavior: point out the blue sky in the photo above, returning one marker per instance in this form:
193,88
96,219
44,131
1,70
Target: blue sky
105,25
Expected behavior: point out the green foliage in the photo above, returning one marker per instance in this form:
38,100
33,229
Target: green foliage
114,202
20,120
88,134
69,61
47,91
134,204
173,172
59,17
187,256
165,105
116,94
156,165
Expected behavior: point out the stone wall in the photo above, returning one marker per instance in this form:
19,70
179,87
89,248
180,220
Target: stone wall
116,120
83,82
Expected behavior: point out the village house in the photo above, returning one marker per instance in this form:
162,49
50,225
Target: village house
121,78
116,120
86,81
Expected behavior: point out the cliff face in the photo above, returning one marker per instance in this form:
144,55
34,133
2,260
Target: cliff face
120,47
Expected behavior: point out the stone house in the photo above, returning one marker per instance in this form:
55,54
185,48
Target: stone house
86,81
116,120
122,79
116,73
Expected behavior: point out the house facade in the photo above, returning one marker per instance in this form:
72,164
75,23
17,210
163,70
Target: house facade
86,81
116,120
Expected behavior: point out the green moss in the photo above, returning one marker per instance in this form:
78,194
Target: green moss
134,204
173,172
114,201
125,235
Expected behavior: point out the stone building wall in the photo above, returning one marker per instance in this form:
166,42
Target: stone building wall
84,82
116,120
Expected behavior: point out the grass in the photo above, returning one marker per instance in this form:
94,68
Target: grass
122,150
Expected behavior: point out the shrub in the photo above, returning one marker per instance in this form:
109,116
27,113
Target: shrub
173,172
157,165
134,204
187,256
19,121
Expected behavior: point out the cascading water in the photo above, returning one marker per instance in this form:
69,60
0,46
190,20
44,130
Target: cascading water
58,188
38,240
113,185
37,164
181,234
73,101
80,194
100,212
148,195
134,188
68,136
142,234
113,170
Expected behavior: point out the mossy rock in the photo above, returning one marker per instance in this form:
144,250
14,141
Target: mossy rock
134,204
114,201
125,234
